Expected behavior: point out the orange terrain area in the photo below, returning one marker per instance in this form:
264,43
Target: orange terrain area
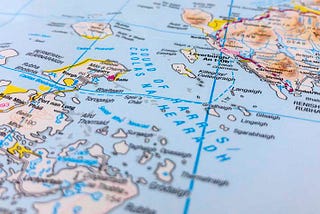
196,18
284,67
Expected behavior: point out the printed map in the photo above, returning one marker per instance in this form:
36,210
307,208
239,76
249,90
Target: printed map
159,106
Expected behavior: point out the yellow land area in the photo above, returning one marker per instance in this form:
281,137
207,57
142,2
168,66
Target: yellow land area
37,96
197,56
217,24
44,88
189,70
189,50
21,150
244,60
68,81
94,37
91,37
76,65
119,75
11,89
305,9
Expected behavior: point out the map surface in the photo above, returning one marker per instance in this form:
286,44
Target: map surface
159,106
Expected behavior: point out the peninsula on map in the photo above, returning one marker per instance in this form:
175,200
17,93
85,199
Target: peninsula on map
87,72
